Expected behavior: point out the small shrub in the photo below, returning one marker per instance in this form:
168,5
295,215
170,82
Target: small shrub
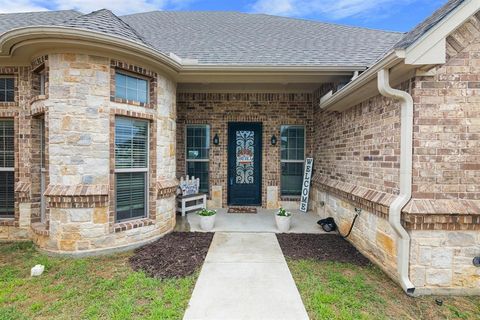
206,213
283,213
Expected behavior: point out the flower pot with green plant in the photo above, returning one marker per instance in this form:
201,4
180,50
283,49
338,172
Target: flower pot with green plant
283,218
207,219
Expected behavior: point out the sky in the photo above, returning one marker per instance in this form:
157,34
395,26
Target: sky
394,15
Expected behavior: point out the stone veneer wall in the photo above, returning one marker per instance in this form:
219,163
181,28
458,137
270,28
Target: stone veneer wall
79,113
218,109
357,167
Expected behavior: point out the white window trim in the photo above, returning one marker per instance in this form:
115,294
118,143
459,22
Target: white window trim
136,170
134,75
292,161
186,148
9,76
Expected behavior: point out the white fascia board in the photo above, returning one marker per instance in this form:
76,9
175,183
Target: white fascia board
430,49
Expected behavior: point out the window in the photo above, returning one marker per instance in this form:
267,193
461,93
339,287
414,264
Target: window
131,168
292,159
7,174
198,149
131,88
7,89
42,80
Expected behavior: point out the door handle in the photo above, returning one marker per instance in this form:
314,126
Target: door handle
231,181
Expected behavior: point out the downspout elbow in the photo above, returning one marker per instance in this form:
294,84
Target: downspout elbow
395,212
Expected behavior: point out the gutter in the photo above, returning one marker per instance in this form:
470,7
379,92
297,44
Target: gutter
390,60
16,38
406,136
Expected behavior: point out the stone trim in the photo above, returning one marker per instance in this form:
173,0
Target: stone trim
166,188
38,109
146,73
77,196
373,201
40,229
443,206
129,225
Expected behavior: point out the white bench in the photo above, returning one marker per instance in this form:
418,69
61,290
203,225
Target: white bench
191,202
190,199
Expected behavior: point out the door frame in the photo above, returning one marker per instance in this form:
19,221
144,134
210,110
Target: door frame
259,126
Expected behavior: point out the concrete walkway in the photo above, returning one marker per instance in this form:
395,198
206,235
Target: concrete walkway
245,276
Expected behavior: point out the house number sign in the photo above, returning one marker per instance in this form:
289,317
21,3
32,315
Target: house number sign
307,177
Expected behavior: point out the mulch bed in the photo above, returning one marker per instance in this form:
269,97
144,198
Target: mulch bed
175,255
242,210
321,247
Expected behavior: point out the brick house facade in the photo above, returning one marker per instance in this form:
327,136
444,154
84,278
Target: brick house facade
110,105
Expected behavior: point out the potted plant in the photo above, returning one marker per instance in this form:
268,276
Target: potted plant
283,217
207,219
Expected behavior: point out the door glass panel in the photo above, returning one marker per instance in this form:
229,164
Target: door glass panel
245,152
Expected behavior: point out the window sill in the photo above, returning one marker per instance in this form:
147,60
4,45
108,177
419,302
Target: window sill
290,198
132,102
132,224
7,222
38,98
9,103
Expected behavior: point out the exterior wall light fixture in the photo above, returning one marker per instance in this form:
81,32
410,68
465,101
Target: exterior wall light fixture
273,140
216,140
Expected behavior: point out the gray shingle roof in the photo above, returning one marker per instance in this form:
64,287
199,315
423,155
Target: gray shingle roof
239,38
9,21
106,22
427,24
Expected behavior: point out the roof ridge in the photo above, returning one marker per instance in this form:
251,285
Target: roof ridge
114,16
268,15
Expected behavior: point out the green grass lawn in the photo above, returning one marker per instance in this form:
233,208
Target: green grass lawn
344,291
90,288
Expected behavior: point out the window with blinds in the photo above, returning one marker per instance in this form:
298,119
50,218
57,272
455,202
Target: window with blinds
7,89
131,168
197,150
292,158
7,171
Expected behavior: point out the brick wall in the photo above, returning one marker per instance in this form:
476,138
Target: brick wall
218,109
447,122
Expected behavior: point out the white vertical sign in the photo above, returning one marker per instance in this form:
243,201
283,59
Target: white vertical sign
307,176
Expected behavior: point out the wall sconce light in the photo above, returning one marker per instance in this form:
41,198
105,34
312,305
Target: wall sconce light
273,140
216,140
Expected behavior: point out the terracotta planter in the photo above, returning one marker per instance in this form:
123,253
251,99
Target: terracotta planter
283,223
207,222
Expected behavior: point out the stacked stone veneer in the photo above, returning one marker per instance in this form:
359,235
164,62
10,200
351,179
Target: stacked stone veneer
218,109
79,113
357,166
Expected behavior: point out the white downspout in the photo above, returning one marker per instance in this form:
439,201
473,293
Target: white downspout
394,217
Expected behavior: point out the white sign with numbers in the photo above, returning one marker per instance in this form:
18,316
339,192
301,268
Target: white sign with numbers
307,177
